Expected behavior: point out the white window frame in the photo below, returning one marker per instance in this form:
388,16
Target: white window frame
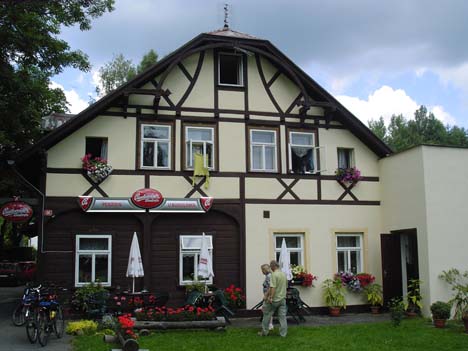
348,250
188,145
352,162
312,146
239,73
300,249
263,145
93,253
196,253
156,141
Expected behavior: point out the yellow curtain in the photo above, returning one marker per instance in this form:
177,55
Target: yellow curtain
199,169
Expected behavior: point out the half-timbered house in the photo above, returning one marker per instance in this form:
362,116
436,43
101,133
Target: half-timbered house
271,139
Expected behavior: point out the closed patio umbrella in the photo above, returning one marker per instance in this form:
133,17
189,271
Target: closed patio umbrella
205,263
135,267
284,261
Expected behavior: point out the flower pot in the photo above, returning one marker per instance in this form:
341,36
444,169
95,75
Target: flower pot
411,314
375,309
439,323
297,281
334,311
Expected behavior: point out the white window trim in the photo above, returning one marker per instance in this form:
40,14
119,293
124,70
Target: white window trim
301,249
197,254
312,146
189,142
155,141
240,73
79,252
275,153
348,250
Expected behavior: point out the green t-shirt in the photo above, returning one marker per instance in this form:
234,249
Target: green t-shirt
280,283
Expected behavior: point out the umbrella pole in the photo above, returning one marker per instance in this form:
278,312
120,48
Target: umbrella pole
133,289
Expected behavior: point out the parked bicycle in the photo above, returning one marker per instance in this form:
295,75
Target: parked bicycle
49,318
23,310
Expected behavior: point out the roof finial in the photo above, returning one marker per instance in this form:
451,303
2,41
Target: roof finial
226,15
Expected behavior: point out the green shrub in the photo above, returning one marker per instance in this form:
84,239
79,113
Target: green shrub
440,310
334,293
83,327
397,310
90,300
374,294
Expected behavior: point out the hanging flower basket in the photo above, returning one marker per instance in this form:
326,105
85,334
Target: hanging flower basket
96,168
348,175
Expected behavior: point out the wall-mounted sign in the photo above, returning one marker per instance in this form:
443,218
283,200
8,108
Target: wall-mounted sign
48,212
147,198
16,211
143,200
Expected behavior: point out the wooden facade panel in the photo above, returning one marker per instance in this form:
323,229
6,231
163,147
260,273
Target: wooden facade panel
165,249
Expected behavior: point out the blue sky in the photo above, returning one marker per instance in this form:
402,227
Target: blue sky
377,58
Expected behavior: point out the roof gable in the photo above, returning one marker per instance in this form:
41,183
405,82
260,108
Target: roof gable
221,39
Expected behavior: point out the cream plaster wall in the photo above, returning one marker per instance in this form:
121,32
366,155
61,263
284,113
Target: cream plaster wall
262,188
122,185
231,100
366,161
121,143
232,144
258,97
446,186
202,94
319,224
66,184
403,200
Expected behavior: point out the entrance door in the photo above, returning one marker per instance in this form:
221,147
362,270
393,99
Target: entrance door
391,266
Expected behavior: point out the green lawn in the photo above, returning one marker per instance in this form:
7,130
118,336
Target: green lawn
415,335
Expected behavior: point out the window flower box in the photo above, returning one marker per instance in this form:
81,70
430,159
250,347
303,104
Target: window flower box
348,175
302,277
96,168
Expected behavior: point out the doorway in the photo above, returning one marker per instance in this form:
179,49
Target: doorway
399,251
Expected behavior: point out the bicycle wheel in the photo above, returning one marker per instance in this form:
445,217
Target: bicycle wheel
18,315
31,330
59,323
43,328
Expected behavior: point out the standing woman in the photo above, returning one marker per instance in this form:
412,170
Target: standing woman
266,270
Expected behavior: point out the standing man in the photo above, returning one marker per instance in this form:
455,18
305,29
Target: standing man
275,300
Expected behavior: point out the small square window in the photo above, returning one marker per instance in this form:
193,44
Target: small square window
230,69
199,140
345,158
155,146
96,147
93,259
349,253
302,152
294,246
189,256
263,150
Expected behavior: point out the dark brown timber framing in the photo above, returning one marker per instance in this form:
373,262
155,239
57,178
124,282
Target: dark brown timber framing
203,42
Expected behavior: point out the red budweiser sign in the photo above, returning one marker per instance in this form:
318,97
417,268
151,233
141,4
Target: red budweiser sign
16,211
147,198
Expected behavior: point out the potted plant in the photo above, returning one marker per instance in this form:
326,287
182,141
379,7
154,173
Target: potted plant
348,175
413,303
301,276
96,168
374,297
459,283
334,295
440,313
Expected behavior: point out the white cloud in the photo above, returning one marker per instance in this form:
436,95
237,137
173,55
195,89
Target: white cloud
76,103
457,75
386,102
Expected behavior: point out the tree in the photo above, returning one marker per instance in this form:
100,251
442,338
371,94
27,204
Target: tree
148,60
30,54
115,73
378,128
120,70
402,134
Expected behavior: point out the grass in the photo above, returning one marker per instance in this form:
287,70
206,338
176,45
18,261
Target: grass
418,334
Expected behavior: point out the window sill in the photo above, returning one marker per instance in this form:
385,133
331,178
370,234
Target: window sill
230,87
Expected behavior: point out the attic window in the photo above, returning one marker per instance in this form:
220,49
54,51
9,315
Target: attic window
230,69
97,147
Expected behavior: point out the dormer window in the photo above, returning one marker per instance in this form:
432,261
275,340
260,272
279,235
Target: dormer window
230,69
